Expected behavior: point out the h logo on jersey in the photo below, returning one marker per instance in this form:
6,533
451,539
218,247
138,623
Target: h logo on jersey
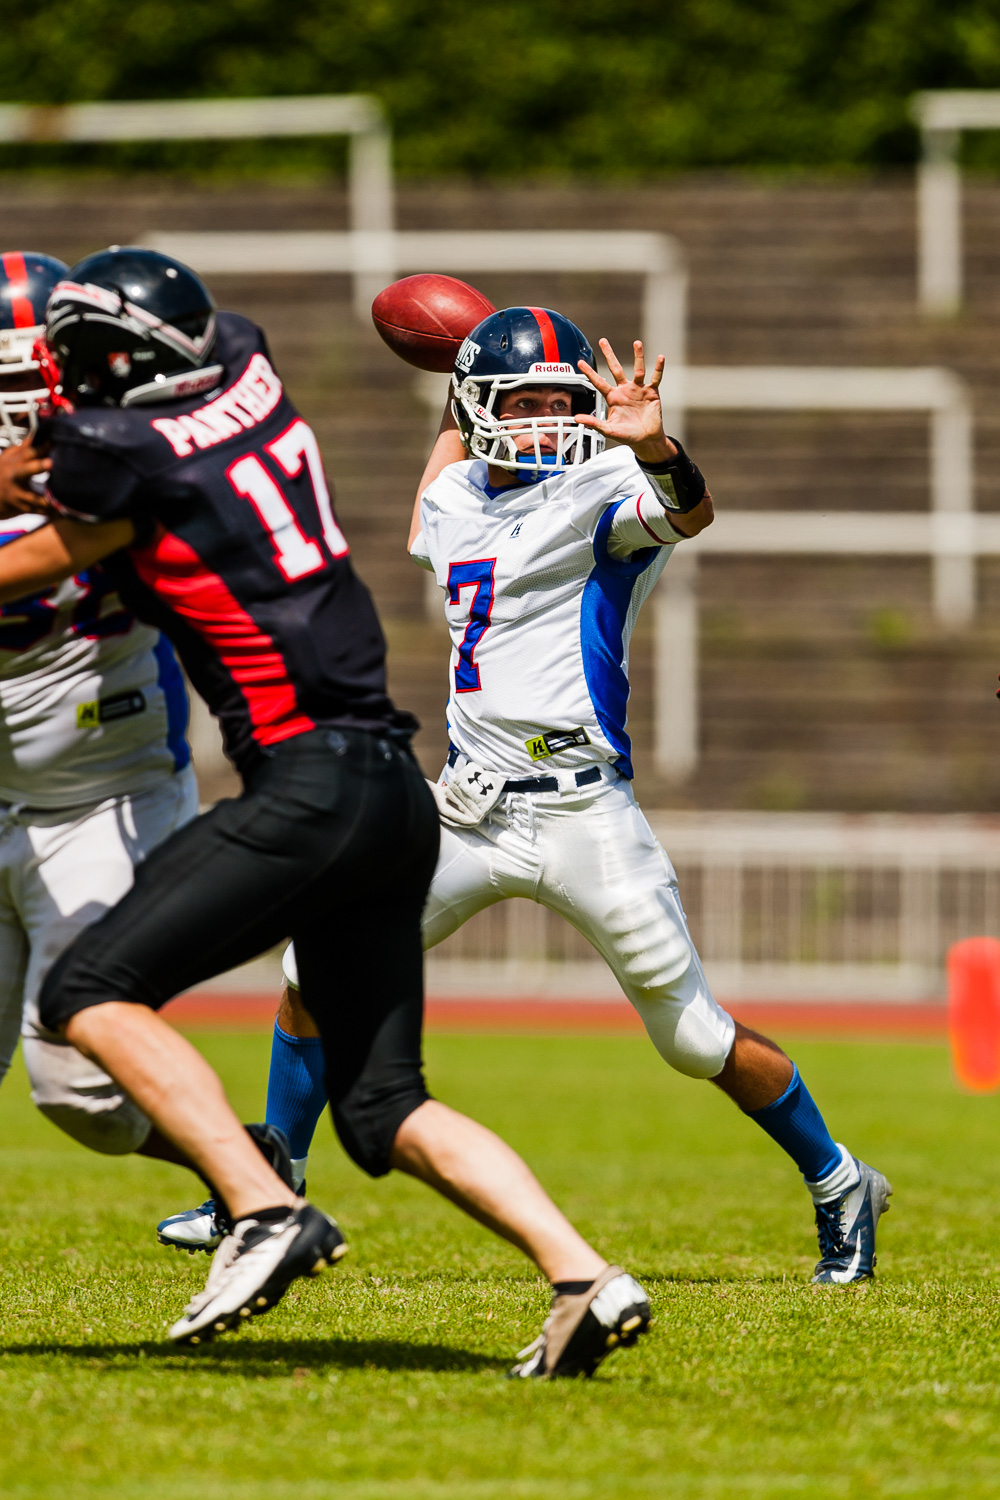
517,530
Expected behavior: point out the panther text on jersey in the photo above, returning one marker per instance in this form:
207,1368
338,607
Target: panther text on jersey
239,557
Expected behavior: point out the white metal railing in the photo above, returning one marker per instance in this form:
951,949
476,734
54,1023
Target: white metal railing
373,258
950,533
376,258
781,905
358,116
942,115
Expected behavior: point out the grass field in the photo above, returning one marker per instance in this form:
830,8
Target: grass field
383,1380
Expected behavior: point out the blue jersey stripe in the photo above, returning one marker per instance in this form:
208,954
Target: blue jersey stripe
171,682
604,608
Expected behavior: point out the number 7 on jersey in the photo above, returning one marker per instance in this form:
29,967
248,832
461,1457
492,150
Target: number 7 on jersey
476,575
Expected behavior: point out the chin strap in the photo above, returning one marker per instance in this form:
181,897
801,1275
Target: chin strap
49,371
528,462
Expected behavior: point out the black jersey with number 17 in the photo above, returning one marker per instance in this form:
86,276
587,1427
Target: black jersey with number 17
238,555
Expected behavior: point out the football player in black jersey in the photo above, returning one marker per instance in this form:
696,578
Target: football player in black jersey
174,454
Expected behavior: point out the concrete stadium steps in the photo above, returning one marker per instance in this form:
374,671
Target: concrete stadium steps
824,683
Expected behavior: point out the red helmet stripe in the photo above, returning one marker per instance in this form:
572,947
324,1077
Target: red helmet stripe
550,341
17,274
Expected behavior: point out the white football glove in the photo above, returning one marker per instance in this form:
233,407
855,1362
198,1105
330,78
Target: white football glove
468,796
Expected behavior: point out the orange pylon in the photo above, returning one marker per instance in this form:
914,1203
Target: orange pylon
974,1013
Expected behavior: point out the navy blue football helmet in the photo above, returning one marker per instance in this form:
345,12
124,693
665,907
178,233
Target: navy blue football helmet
129,326
525,346
26,282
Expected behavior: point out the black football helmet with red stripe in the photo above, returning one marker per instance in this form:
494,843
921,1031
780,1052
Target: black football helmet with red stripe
129,326
26,282
525,346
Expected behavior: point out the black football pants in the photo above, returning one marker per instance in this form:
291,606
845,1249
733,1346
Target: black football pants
333,843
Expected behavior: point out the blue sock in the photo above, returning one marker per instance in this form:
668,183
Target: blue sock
296,1088
798,1127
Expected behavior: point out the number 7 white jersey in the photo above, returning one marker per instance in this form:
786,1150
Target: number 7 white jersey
540,613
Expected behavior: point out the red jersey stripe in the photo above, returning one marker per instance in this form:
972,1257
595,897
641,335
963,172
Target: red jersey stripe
550,341
642,522
177,575
20,306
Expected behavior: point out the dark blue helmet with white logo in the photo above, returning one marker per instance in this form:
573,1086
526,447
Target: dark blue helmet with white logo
26,282
129,326
525,346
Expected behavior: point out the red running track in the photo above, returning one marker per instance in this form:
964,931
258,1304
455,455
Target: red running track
836,1019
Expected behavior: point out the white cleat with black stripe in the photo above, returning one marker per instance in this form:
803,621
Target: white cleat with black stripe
584,1328
253,1268
846,1229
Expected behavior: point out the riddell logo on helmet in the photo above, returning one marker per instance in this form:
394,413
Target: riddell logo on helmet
120,365
249,401
550,369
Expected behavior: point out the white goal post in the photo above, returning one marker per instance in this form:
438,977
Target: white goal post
942,115
358,116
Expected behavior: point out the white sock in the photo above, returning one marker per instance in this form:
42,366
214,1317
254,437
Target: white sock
838,1182
299,1171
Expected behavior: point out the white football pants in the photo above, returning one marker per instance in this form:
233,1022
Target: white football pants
589,854
59,873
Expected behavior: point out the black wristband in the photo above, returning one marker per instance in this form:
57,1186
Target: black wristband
679,482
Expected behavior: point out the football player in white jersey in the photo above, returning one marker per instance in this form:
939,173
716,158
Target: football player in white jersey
546,546
94,764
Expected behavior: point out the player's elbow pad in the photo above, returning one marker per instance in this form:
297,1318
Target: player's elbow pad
679,483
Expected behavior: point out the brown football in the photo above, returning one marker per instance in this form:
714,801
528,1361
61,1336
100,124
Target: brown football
424,318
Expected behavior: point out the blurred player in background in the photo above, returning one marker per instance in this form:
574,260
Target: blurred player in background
546,547
94,765
182,461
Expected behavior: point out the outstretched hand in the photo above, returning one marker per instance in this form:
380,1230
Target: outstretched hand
18,465
634,413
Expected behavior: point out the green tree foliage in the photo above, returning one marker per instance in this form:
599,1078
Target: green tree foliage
620,86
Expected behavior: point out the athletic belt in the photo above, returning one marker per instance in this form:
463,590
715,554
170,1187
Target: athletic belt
537,783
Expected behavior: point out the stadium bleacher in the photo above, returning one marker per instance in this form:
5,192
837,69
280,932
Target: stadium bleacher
825,683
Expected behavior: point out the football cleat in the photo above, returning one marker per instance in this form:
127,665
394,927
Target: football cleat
254,1267
846,1229
196,1229
202,1228
583,1329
